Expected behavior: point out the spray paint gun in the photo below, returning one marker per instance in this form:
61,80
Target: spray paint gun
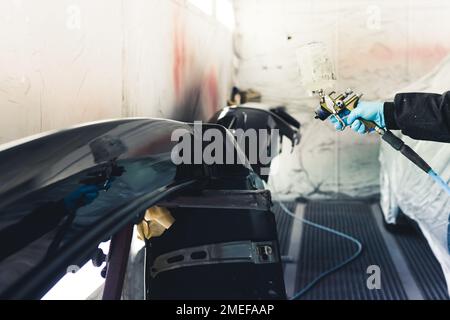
314,59
333,104
317,74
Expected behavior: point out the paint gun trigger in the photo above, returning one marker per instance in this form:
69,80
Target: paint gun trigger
342,122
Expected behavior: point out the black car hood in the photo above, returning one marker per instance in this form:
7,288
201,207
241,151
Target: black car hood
42,231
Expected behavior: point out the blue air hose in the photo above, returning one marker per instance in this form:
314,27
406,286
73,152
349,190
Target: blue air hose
438,179
314,282
409,153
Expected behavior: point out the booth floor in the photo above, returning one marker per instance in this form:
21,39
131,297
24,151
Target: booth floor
404,266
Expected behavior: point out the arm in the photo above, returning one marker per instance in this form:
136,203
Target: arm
423,116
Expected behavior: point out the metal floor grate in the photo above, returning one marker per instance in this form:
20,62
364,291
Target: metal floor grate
321,250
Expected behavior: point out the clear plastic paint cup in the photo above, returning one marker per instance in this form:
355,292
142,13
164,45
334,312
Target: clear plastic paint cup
316,69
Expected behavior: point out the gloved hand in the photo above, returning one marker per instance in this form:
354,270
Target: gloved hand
81,197
371,111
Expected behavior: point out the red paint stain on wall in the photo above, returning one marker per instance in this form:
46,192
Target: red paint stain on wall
424,52
211,85
195,78
179,54
434,53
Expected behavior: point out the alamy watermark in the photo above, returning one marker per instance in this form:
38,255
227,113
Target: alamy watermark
211,145
374,279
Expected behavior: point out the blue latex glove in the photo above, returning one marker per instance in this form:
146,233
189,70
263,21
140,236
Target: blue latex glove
82,196
371,111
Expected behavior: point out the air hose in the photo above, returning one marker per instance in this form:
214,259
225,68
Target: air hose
398,144
354,256
321,276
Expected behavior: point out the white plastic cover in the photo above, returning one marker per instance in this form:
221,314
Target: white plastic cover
406,188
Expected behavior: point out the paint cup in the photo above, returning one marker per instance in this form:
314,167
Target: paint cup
315,67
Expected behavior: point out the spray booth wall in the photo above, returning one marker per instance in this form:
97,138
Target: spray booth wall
67,62
379,47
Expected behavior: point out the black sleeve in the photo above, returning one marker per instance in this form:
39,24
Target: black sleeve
422,116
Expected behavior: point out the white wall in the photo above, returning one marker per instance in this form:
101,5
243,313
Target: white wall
377,46
64,62
59,64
